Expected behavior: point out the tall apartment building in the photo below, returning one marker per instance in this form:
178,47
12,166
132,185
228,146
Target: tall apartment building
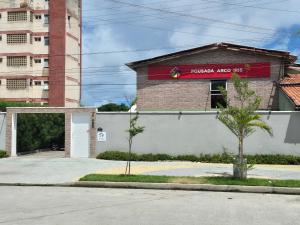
40,51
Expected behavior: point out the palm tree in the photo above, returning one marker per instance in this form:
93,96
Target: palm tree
241,119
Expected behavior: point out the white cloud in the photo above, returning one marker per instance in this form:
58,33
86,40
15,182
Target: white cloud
130,33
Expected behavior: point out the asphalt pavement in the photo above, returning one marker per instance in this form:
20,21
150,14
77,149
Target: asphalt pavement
96,206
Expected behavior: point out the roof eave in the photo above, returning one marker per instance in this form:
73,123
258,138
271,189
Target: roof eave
297,106
272,53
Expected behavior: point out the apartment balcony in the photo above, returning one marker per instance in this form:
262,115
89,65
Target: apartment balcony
35,92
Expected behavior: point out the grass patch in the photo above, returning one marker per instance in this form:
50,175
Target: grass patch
192,180
225,157
3,154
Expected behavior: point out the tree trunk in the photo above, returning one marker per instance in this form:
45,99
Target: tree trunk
240,164
241,148
128,164
129,161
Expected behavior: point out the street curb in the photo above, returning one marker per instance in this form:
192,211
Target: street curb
189,187
168,186
36,185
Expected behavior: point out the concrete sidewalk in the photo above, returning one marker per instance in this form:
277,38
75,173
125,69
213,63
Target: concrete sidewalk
205,169
44,170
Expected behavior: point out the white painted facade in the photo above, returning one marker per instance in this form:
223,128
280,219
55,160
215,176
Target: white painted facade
36,50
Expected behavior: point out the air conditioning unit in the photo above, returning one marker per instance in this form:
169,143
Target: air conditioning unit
46,88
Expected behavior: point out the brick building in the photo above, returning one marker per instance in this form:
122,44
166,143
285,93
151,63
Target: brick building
40,51
189,80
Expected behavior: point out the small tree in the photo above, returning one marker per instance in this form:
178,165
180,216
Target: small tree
133,131
110,107
241,119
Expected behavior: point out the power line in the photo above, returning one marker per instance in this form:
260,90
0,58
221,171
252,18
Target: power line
192,16
97,72
194,34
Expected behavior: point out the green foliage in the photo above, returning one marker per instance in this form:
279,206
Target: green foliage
134,129
241,118
154,157
3,154
110,107
191,158
274,159
225,157
117,155
3,105
40,131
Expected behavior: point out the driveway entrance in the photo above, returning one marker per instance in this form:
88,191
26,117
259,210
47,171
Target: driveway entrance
45,155
49,170
80,131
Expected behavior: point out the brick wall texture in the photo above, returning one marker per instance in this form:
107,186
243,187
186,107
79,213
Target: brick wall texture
194,94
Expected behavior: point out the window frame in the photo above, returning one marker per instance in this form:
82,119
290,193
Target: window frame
11,61
16,39
46,19
46,41
16,84
216,93
46,63
17,16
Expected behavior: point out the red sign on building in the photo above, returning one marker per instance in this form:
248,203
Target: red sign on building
209,71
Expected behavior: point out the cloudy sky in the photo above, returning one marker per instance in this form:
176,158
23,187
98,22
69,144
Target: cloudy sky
121,31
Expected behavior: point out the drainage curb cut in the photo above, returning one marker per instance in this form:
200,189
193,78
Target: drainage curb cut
167,186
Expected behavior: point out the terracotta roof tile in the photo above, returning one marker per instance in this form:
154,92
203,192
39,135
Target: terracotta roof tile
291,79
290,85
293,92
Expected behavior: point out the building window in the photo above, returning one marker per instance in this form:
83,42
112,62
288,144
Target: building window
37,83
16,38
37,61
17,16
46,63
69,21
38,17
0,37
46,82
46,19
16,84
31,16
31,61
46,41
37,39
217,98
16,61
1,60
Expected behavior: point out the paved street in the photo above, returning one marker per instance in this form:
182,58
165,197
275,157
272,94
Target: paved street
92,206
46,169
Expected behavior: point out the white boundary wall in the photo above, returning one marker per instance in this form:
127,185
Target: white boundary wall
2,130
197,132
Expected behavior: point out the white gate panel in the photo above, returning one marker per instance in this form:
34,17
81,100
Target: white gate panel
80,136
